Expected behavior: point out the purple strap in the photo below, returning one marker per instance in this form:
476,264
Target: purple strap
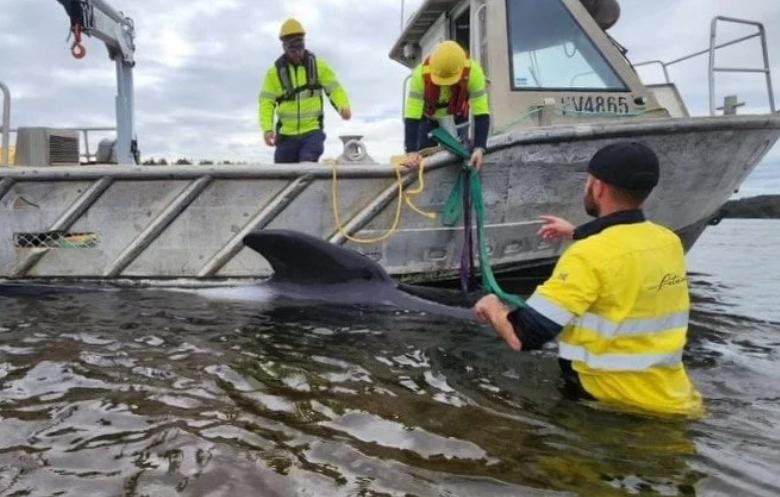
467,250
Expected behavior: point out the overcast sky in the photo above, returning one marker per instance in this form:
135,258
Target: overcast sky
201,62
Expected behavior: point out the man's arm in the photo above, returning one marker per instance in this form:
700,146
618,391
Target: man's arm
490,310
480,109
569,292
413,112
267,103
336,93
555,228
481,131
532,328
522,329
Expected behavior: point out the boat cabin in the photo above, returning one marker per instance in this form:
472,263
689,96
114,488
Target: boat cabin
547,61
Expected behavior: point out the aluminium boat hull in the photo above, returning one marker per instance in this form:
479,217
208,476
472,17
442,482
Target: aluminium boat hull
186,222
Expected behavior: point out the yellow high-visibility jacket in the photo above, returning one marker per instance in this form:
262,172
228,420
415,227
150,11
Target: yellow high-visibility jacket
477,89
622,297
299,112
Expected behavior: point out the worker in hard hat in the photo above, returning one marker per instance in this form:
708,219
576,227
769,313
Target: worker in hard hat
293,90
448,83
617,302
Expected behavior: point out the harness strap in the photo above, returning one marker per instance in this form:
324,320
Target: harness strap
458,104
291,92
312,77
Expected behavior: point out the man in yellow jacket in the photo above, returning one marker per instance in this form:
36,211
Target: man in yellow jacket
292,91
446,84
617,300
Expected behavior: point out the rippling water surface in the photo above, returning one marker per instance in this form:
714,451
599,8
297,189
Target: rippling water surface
154,393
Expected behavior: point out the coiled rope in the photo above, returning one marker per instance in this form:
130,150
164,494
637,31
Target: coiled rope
404,197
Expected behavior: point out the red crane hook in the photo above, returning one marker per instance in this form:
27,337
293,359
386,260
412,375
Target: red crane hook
77,49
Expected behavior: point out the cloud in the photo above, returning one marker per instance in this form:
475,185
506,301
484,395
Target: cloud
200,64
670,29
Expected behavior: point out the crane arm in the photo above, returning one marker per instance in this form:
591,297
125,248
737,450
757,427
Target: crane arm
97,18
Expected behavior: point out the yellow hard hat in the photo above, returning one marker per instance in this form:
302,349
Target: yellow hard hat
447,63
291,27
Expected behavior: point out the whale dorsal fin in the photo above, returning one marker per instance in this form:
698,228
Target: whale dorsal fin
300,258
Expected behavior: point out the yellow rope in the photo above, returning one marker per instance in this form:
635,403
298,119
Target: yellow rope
420,188
403,197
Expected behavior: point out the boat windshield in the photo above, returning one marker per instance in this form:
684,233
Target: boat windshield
550,50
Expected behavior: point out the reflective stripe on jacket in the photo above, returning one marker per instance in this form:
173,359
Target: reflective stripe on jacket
303,112
477,90
622,297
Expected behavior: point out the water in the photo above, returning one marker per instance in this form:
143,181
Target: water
136,393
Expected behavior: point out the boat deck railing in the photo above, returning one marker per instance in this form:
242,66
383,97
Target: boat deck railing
712,50
85,154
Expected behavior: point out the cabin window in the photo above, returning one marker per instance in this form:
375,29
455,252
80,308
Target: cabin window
550,50
461,29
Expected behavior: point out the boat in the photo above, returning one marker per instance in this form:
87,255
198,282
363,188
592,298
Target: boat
560,89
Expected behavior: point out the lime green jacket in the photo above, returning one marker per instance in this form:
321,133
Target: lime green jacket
478,95
302,113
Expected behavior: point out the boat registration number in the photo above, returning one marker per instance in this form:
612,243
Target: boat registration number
613,105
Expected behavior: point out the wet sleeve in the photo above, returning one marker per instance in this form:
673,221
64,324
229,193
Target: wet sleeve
415,99
573,287
336,93
267,100
478,95
532,328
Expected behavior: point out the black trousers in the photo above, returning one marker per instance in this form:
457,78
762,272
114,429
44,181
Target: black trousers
572,388
304,148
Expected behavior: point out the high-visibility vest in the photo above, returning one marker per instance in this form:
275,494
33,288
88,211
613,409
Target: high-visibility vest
458,104
294,95
291,91
434,102
622,297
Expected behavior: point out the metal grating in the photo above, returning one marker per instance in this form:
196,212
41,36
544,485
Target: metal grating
63,149
56,239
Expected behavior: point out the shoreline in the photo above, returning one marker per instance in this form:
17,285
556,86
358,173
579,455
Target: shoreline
759,207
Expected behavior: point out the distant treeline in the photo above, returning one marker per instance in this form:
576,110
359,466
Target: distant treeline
761,207
187,162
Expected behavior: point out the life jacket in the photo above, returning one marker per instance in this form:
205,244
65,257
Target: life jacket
312,77
458,105
291,93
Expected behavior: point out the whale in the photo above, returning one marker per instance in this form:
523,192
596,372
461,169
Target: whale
310,270
307,271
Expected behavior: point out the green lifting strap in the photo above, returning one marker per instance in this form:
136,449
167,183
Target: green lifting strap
453,211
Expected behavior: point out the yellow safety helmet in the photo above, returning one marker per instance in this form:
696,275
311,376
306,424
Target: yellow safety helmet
291,27
447,63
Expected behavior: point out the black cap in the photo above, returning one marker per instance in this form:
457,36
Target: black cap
628,165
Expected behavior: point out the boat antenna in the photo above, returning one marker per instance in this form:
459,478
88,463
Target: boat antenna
403,2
